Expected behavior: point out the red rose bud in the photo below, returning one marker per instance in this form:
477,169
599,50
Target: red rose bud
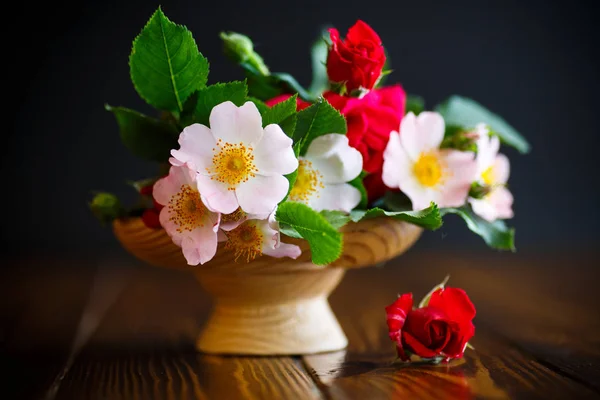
301,104
441,329
146,190
358,60
150,219
157,205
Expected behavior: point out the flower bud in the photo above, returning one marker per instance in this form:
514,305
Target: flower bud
106,207
240,49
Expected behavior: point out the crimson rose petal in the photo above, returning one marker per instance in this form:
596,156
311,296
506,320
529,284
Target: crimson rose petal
454,302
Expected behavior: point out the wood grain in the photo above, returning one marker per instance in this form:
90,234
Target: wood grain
186,375
292,316
497,369
526,341
366,243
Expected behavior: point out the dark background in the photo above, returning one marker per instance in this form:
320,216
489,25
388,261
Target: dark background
533,62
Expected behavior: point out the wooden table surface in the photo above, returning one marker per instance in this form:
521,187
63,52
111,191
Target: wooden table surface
115,329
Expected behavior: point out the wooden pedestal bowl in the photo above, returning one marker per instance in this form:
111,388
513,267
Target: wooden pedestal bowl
272,306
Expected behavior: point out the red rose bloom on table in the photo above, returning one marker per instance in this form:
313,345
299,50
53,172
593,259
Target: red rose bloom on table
439,329
358,60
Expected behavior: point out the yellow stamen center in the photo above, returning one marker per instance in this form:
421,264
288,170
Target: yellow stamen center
186,209
428,169
232,164
488,176
245,241
307,182
234,216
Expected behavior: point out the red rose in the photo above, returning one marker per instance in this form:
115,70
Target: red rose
441,329
358,60
150,216
301,104
370,121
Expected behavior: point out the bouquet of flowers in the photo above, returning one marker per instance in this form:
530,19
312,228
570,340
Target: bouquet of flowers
245,164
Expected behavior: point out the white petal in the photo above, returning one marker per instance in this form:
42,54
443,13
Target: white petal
461,173
497,204
200,245
261,194
501,169
333,157
397,165
422,133
235,124
502,199
335,197
196,146
274,155
487,148
419,195
216,195
483,208
284,250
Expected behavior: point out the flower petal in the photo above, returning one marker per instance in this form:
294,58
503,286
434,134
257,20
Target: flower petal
462,170
501,169
454,302
487,149
421,134
200,245
396,315
397,165
417,347
274,155
196,146
235,124
261,194
496,205
216,195
283,250
335,197
333,157
360,31
168,186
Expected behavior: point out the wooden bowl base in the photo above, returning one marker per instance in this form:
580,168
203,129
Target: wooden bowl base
291,317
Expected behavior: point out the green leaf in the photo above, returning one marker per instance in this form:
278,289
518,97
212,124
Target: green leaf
283,114
397,201
165,64
468,113
496,234
288,125
324,240
106,207
337,219
289,83
317,120
320,80
358,183
280,111
145,137
414,104
216,94
428,218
